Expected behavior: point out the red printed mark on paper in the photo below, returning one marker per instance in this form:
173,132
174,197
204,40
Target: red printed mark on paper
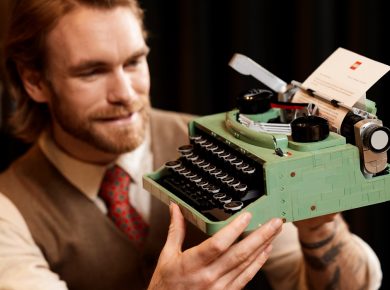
355,65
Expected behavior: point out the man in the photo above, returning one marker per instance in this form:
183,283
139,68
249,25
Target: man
79,73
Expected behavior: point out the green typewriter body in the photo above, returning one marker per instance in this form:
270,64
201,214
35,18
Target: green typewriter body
228,168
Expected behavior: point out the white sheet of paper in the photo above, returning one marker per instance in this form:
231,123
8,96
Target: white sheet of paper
345,76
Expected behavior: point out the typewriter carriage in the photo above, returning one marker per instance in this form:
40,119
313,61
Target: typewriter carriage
313,179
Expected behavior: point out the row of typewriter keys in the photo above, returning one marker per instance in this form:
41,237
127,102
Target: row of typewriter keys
201,165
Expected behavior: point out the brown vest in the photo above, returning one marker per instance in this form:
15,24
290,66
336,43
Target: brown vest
79,242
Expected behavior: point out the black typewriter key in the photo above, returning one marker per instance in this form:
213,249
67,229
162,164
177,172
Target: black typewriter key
234,183
198,161
179,169
230,158
236,162
191,175
173,164
195,137
218,151
249,170
185,172
187,154
227,179
221,175
215,171
202,184
233,205
196,179
191,157
207,144
213,148
225,199
186,149
203,164
224,155
219,195
241,188
209,168
200,141
242,166
213,189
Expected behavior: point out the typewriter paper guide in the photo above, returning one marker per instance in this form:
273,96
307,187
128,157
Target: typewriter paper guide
346,76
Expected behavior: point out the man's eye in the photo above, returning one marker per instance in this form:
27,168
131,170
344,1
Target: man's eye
90,73
134,63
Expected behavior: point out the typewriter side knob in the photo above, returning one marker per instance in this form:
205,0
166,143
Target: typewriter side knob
377,138
373,140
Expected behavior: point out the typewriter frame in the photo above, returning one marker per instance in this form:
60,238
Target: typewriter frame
310,180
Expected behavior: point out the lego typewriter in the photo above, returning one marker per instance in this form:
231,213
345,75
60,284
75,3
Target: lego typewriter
275,159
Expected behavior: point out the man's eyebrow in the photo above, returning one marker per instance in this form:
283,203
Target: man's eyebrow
88,64
144,51
84,65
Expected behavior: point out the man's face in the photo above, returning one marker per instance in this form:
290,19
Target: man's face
98,80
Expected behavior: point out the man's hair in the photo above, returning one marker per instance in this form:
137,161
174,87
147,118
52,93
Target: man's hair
24,45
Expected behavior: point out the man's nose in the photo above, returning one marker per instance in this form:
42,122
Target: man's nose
120,88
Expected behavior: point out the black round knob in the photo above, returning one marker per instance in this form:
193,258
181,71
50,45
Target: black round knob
309,129
347,128
254,101
377,138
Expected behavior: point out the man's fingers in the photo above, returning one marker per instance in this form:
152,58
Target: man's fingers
242,279
239,276
215,246
247,248
176,232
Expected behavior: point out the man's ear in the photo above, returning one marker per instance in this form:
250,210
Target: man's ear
35,84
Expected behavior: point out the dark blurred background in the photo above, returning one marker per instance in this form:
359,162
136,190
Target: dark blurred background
192,42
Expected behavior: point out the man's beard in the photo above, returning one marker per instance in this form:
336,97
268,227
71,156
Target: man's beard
93,130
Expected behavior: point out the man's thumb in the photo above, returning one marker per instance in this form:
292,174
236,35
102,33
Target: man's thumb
176,231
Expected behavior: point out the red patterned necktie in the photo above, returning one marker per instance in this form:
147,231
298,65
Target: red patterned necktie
114,190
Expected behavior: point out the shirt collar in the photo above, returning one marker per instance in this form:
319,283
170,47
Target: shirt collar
85,176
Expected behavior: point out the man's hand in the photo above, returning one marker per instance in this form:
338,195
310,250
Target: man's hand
218,262
316,228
